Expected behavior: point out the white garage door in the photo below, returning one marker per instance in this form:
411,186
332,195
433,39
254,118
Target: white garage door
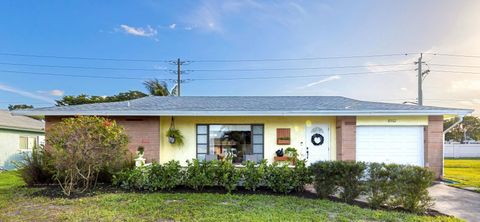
390,144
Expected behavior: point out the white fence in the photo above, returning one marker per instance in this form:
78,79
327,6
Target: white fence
462,150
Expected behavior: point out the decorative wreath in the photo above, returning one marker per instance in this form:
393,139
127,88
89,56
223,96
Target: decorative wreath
315,136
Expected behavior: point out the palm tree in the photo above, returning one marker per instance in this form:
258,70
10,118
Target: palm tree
156,87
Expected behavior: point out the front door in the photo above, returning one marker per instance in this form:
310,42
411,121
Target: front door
317,142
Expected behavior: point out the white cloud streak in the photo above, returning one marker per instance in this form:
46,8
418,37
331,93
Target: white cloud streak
25,93
139,31
328,79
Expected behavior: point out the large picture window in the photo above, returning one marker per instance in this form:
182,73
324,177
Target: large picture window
236,142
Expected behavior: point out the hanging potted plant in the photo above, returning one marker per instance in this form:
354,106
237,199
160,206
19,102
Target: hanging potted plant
175,137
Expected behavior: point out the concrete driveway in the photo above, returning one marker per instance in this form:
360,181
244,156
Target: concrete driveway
456,202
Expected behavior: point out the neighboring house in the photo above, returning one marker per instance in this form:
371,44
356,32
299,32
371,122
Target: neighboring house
18,134
253,128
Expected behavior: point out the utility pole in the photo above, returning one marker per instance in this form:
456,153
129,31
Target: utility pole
420,79
179,71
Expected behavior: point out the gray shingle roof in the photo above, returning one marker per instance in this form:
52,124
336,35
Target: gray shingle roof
243,105
8,121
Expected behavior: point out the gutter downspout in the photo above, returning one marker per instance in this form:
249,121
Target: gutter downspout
444,132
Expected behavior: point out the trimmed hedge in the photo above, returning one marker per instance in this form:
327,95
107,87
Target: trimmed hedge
198,175
385,185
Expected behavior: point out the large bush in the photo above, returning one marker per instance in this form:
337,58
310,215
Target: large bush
81,147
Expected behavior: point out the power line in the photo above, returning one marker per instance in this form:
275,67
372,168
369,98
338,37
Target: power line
300,76
302,59
76,76
453,65
80,67
294,68
454,55
205,60
82,58
458,72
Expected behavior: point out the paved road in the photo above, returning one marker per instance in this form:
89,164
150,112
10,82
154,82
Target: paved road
456,202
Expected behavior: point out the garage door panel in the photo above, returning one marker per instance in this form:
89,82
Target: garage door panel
401,145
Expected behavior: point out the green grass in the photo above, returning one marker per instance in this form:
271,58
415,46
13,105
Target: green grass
464,171
17,204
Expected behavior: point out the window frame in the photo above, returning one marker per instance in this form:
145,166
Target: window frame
251,125
28,139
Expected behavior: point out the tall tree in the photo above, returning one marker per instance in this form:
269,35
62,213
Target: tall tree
86,99
19,106
469,128
156,87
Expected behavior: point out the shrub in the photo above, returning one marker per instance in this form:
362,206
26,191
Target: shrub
399,186
166,176
133,179
82,147
302,175
227,175
330,175
379,186
35,167
411,184
280,178
199,174
254,176
350,175
324,178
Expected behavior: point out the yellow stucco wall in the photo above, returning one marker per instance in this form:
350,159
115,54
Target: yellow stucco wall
187,125
392,120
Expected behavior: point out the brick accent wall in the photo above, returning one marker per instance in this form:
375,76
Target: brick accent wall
346,137
142,131
433,148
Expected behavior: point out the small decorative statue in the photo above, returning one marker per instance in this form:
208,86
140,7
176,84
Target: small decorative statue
279,152
140,161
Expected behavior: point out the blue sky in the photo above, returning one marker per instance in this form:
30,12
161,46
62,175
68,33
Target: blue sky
211,30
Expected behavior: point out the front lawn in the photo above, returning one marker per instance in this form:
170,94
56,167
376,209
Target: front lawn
464,171
18,204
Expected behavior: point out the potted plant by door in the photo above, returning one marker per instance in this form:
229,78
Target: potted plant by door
292,154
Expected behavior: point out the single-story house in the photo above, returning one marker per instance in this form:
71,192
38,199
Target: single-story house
255,127
18,134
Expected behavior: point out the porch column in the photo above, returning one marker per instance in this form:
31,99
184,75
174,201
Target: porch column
433,146
346,137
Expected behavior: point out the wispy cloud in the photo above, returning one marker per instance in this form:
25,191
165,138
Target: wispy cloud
25,93
54,92
139,31
328,79
213,16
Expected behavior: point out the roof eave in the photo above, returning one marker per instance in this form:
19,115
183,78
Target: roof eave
22,129
249,113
